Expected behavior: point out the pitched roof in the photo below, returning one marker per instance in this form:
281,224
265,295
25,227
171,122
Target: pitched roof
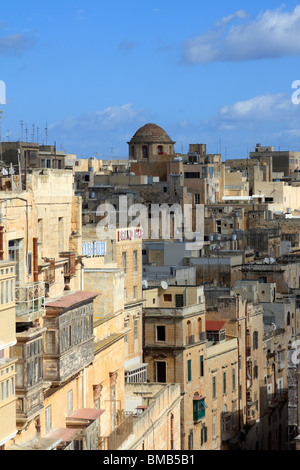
214,325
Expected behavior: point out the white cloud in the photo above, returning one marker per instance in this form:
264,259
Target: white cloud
273,34
15,43
125,45
268,111
98,131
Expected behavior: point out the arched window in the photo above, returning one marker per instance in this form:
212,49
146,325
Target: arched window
199,327
132,151
160,149
188,332
145,151
255,339
288,319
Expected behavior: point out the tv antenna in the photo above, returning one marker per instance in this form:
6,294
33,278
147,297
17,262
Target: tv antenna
46,131
22,124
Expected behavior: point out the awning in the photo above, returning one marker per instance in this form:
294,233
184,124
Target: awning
65,434
196,397
90,414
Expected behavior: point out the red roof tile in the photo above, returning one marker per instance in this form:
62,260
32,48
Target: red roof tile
69,300
214,325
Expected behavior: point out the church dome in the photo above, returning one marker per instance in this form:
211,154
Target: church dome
151,133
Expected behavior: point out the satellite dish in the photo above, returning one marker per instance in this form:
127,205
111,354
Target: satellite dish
145,284
272,260
164,285
266,261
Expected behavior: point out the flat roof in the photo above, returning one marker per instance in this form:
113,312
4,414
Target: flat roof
69,300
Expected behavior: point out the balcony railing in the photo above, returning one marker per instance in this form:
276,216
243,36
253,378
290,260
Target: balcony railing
192,339
120,434
30,299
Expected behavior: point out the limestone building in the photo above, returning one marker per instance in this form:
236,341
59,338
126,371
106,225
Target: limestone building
150,141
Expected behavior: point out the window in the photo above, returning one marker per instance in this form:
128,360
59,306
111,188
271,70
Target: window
134,291
124,261
161,371
70,401
233,379
179,300
167,298
201,366
199,407
224,383
214,426
136,328
192,174
2,292
191,443
255,340
48,418
145,151
29,263
12,290
214,387
203,434
161,333
189,366
135,262
255,370
197,198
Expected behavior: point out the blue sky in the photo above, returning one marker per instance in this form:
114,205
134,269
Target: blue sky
93,72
